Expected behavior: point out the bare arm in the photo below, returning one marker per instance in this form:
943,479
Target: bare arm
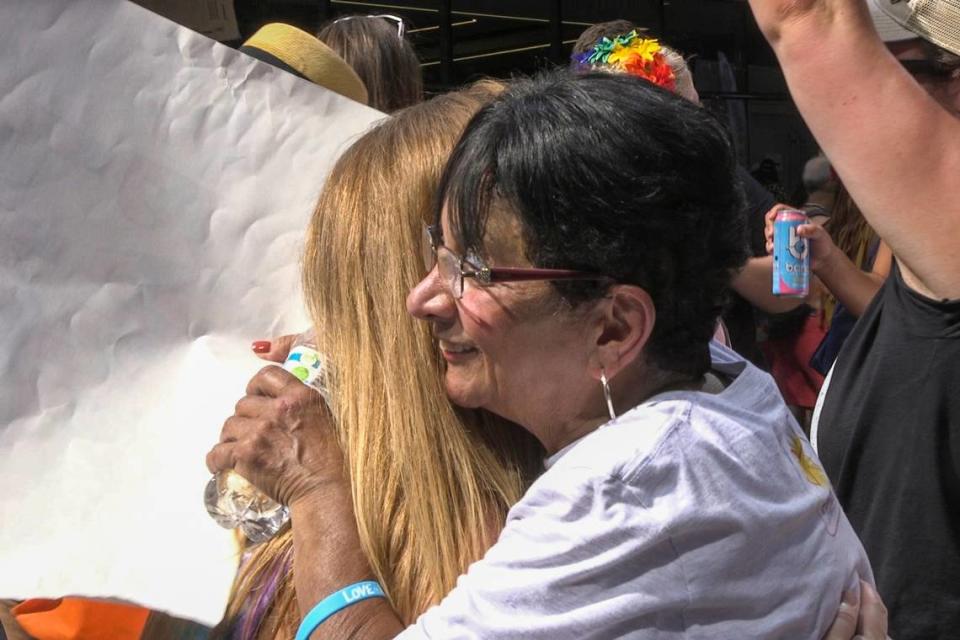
327,558
281,439
894,147
853,287
753,283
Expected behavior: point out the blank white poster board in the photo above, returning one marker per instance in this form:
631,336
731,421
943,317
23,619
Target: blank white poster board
154,191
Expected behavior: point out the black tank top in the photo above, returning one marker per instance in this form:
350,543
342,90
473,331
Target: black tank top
888,435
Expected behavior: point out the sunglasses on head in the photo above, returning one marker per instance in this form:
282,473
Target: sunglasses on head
397,20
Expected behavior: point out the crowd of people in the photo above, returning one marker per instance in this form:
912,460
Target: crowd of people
571,434
550,415
605,462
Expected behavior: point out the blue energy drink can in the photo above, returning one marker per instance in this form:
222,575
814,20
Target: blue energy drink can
791,255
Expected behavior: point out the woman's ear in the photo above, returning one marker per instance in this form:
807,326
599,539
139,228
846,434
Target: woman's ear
624,322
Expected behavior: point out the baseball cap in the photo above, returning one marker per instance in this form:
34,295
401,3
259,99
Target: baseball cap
936,21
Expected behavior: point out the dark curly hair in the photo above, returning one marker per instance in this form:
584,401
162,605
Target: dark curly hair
612,175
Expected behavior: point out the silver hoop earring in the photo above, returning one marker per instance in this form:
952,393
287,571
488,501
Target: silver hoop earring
606,394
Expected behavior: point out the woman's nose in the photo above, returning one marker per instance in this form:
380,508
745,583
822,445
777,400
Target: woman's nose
431,300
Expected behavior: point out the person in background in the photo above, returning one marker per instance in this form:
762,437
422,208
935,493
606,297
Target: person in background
620,33
767,173
843,243
792,328
820,186
404,442
851,264
792,338
795,328
561,308
739,319
885,111
848,259
297,52
593,34
377,49
848,273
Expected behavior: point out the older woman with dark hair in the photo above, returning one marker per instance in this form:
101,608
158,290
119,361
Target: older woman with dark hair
588,229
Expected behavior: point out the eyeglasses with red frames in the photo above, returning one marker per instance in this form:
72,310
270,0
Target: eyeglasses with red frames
454,269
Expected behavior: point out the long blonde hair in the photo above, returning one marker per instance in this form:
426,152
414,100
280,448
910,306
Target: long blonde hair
431,484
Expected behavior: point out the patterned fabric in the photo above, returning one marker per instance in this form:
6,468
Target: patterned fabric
89,619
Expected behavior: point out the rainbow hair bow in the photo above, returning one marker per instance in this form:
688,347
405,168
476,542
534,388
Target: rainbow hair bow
629,53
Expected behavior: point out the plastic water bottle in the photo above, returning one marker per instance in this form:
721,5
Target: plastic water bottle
232,501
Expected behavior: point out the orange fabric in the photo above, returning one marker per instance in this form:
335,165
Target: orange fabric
80,619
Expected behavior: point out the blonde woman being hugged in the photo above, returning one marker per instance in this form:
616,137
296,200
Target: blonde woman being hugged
431,484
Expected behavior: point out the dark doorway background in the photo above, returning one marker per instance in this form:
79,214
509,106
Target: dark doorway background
457,41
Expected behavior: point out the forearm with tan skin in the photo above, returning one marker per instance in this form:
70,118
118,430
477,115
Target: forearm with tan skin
327,557
280,439
850,285
753,283
893,146
327,554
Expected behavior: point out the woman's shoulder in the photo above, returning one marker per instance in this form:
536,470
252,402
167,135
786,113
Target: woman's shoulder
619,446
735,441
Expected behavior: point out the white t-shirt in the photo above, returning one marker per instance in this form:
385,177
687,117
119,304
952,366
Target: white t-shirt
694,515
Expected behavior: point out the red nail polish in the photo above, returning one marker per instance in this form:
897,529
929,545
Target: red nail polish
261,346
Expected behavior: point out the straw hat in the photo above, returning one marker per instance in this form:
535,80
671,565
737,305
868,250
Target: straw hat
303,55
937,21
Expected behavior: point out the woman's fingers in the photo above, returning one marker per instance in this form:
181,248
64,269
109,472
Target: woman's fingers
236,427
275,350
811,230
271,381
259,449
768,219
873,614
845,625
221,457
280,438
860,617
818,239
235,436
252,406
822,248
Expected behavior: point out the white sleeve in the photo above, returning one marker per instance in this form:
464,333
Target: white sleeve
579,557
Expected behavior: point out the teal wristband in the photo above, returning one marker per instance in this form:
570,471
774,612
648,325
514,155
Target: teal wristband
337,601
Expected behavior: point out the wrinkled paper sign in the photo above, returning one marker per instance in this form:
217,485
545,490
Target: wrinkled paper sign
154,190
